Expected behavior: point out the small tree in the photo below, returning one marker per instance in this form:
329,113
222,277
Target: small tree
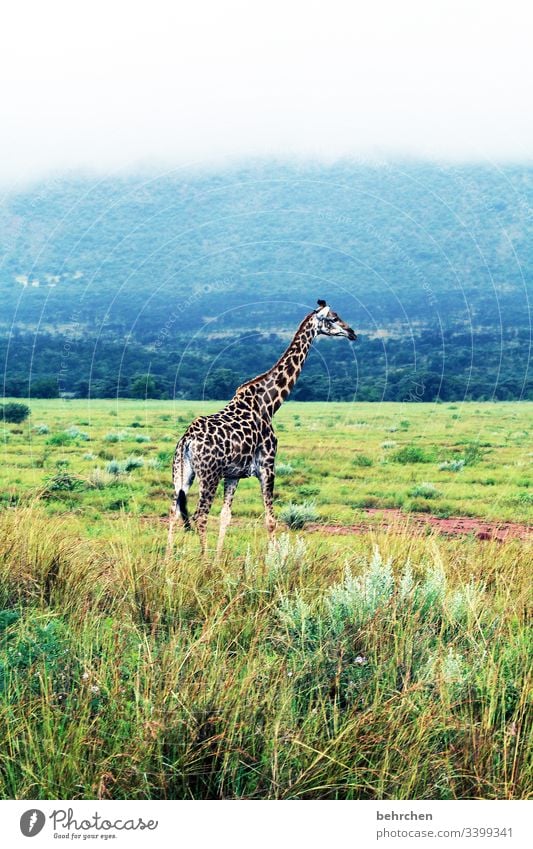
45,387
144,386
14,413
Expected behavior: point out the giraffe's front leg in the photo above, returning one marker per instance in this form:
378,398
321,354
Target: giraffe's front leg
266,479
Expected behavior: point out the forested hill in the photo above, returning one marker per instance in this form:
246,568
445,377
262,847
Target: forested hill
185,284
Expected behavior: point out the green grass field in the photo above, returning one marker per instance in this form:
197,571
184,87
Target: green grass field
341,457
382,665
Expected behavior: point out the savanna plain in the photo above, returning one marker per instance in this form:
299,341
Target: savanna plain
389,663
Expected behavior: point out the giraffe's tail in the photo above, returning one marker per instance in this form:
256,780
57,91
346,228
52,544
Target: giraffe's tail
183,475
181,500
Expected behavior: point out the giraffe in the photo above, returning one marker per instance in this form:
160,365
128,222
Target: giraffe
239,441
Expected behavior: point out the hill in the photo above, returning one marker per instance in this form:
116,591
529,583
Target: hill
185,284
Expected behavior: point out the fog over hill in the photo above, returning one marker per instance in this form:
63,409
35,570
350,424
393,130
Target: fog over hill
187,283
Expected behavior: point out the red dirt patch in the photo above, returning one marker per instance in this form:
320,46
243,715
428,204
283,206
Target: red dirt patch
391,519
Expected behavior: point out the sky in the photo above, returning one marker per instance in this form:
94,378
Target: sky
112,86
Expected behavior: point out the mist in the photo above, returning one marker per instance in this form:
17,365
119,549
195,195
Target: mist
125,86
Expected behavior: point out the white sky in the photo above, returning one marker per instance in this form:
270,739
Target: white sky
113,85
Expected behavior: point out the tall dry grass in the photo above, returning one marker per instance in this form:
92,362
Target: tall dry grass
383,666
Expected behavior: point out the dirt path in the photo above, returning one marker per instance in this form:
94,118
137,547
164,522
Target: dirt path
455,526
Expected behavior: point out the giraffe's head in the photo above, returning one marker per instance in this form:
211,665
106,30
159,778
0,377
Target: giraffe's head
328,323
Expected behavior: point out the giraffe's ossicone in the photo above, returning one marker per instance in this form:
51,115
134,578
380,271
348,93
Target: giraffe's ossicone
239,441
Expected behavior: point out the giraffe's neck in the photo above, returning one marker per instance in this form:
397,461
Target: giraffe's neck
272,388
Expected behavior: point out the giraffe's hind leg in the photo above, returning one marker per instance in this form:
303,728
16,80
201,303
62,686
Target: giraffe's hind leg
230,486
208,488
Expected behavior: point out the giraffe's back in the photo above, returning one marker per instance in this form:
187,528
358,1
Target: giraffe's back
224,443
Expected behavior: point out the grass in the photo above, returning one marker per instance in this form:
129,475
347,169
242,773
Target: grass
382,665
480,462
384,668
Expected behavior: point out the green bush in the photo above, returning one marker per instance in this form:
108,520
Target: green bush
63,481
425,490
14,413
362,460
132,462
452,466
62,438
296,515
411,454
114,467
473,454
114,437
120,467
75,433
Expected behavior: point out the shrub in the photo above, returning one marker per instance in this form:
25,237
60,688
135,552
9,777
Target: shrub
473,455
41,429
132,462
100,478
114,436
63,481
452,466
411,454
296,515
388,444
114,467
143,437
362,460
280,553
356,600
284,469
14,413
295,614
425,490
62,438
75,433
120,467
